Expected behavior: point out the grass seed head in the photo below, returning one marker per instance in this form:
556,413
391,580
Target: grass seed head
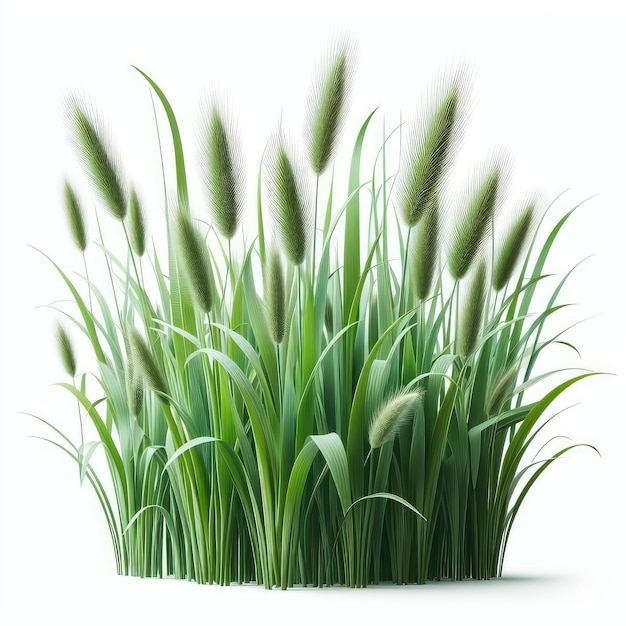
137,225
91,141
424,251
327,104
289,201
66,350
431,148
505,383
473,226
134,382
144,362
274,282
512,247
472,317
222,163
195,261
392,416
75,217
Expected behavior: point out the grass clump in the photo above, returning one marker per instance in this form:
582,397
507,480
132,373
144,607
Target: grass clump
231,388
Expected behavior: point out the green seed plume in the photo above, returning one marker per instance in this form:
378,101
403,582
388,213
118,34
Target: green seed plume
472,317
274,283
75,217
391,417
473,226
289,202
195,262
66,351
145,363
424,251
137,225
431,148
505,383
134,382
327,105
92,145
512,247
223,169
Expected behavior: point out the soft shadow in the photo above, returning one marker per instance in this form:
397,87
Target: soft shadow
504,581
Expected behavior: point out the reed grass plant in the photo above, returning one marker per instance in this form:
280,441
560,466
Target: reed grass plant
361,416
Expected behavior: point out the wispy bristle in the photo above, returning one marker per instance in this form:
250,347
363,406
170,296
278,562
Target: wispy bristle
431,147
222,164
327,104
472,316
75,217
195,261
93,149
137,225
274,283
512,247
474,224
391,417
145,363
66,350
289,200
425,251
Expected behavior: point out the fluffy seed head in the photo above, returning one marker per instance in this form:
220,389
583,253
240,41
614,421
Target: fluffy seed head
431,148
289,201
472,316
66,351
195,261
134,382
327,104
92,146
474,224
75,217
501,392
137,224
424,251
222,165
392,416
274,282
512,247
145,363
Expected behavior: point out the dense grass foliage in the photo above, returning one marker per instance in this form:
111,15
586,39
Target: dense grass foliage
359,416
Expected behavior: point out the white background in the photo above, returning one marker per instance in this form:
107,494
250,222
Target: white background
548,86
